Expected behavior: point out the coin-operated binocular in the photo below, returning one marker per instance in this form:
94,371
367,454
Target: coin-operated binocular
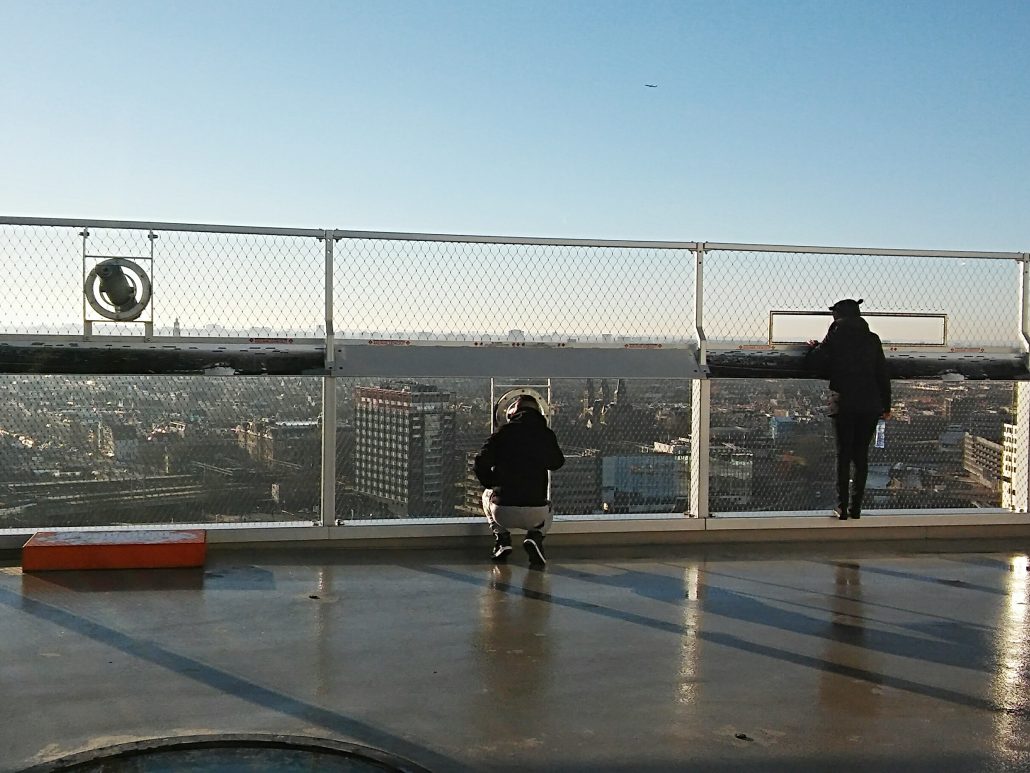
118,289
507,404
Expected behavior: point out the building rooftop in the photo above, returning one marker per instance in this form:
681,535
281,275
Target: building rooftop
776,658
695,653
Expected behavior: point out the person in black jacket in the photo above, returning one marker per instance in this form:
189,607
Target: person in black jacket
513,466
851,356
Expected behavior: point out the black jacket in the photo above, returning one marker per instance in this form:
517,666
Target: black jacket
851,357
515,460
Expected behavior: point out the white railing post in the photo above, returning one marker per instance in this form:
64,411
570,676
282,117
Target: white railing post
1016,454
328,500
700,403
1024,303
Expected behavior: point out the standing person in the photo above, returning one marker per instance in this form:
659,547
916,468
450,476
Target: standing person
851,356
512,466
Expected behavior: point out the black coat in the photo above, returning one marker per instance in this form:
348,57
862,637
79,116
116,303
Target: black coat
851,357
515,460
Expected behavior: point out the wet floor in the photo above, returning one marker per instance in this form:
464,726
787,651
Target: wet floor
720,660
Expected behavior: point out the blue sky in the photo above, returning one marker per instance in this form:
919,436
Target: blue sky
869,123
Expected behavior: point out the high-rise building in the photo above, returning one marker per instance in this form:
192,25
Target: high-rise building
1015,483
118,441
643,482
1015,480
404,448
471,489
983,459
731,476
781,428
576,487
959,407
272,442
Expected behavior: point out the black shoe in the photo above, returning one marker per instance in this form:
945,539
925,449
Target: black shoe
502,547
840,513
855,507
534,545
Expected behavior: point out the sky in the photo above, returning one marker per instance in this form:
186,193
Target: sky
879,124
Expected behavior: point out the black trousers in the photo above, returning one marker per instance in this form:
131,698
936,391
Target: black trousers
854,432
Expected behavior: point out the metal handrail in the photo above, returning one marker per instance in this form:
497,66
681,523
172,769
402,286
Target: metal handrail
138,225
887,252
338,234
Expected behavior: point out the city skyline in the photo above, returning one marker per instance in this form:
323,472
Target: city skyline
179,449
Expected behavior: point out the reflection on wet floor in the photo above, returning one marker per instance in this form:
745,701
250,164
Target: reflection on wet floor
1011,680
787,663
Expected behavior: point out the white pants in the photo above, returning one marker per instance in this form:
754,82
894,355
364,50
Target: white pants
505,517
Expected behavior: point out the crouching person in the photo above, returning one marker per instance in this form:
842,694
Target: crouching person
512,466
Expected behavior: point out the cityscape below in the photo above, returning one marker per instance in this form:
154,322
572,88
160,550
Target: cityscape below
112,450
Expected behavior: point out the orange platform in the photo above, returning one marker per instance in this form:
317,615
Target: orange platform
51,550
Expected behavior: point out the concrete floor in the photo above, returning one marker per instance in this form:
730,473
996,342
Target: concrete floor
772,658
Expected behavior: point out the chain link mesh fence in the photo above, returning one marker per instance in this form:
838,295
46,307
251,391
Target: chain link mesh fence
945,442
773,448
44,265
405,448
472,290
109,450
240,284
204,284
980,296
119,450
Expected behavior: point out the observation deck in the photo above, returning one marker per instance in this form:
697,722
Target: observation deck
311,399
785,658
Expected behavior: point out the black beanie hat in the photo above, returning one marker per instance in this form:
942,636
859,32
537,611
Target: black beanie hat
847,307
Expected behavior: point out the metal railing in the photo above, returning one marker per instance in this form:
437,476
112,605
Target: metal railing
647,343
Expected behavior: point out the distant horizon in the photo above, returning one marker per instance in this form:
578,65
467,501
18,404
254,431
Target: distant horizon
218,332
275,285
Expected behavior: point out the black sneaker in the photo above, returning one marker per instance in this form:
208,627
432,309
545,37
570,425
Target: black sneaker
840,513
855,514
502,547
534,545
